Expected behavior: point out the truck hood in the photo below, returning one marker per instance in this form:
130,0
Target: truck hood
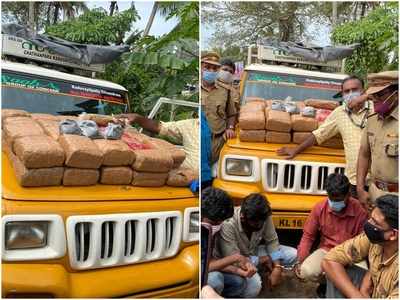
13,191
236,143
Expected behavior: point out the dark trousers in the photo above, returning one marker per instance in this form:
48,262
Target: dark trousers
356,275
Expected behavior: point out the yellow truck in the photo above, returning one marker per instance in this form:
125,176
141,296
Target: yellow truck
96,241
291,186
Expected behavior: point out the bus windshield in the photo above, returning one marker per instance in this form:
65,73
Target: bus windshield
47,95
272,86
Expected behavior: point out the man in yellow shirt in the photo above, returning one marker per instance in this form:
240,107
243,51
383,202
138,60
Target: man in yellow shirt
348,120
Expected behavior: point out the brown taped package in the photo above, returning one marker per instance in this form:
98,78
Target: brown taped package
253,106
254,120
116,175
80,177
181,177
324,104
277,120
115,152
252,135
21,127
300,137
276,137
81,152
178,155
39,151
50,127
44,117
9,113
303,124
149,179
101,120
34,177
152,160
256,99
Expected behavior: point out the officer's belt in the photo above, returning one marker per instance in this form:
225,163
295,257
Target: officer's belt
387,186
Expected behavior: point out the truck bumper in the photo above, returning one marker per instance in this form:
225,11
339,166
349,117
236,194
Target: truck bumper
289,210
177,277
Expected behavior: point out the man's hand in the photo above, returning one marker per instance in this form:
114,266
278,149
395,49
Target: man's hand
266,261
241,260
289,152
130,117
248,271
230,134
363,197
367,286
297,271
275,277
357,101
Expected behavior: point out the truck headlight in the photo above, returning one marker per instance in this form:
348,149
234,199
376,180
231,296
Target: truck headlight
239,167
194,222
26,234
191,224
32,237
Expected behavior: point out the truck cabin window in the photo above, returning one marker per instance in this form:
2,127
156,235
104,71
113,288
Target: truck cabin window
279,86
47,95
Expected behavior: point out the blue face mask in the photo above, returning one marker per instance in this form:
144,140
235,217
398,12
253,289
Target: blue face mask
209,76
336,205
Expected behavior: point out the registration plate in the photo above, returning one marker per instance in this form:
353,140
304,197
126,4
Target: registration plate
289,222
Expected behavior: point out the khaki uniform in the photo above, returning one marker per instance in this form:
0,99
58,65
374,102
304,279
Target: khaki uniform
219,105
382,137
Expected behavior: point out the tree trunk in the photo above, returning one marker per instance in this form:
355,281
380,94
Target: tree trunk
48,13
113,5
334,13
56,12
151,19
31,16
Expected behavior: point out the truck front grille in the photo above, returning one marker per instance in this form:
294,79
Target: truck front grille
98,241
302,177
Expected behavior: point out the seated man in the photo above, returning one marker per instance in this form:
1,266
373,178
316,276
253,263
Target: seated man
251,233
378,244
335,220
216,206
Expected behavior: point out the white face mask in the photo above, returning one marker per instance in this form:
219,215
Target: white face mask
225,76
350,96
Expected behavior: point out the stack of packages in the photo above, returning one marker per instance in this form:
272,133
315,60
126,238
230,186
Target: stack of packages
43,156
280,118
278,122
252,121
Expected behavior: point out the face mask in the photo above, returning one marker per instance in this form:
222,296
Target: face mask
374,234
209,76
350,96
336,205
225,76
215,229
382,108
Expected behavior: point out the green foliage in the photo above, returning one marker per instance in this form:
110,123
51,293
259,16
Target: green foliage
95,27
378,35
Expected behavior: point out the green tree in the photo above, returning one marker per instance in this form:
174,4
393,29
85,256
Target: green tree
378,35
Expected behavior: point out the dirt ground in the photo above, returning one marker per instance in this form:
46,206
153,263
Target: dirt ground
291,287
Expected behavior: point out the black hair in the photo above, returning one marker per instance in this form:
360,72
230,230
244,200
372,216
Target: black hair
337,185
216,204
256,207
353,77
389,206
228,62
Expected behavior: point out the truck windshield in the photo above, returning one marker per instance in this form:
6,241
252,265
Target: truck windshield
279,86
47,95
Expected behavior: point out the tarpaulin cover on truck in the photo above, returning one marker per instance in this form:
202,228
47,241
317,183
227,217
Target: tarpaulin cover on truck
88,54
312,53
